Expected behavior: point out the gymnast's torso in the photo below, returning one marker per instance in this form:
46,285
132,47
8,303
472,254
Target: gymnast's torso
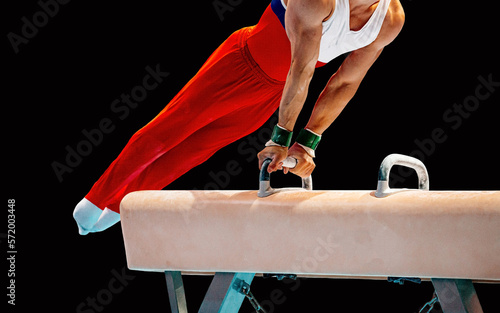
344,30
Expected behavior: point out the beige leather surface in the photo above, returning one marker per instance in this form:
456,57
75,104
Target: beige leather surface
440,234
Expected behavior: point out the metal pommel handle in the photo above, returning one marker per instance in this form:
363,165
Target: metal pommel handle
383,189
265,188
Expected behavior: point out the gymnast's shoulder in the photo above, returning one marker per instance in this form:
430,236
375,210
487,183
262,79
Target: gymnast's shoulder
392,26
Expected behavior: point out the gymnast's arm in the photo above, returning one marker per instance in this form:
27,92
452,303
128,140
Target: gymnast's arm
345,82
304,29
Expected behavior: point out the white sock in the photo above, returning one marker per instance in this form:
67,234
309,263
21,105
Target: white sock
107,219
86,214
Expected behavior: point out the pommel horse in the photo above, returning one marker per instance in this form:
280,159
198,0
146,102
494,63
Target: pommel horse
449,237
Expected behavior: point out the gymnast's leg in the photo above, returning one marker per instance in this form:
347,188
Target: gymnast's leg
197,148
226,83
200,146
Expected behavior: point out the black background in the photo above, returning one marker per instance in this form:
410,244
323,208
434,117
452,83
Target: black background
64,79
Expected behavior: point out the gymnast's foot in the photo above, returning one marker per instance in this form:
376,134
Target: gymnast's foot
107,219
91,218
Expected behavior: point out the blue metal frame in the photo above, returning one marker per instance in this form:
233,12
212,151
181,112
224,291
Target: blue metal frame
223,296
176,294
457,295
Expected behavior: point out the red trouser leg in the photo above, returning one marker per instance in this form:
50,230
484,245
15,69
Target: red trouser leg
197,148
228,98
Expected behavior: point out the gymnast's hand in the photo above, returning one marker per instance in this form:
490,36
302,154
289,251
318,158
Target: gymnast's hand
276,153
305,163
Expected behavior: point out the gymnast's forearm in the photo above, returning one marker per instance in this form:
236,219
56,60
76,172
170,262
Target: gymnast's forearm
304,29
330,103
294,94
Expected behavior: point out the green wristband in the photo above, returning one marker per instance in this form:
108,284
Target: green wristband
281,136
308,139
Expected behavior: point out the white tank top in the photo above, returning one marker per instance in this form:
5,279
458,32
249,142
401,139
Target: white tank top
338,38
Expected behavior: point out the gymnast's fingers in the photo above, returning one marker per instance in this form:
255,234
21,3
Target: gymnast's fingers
276,154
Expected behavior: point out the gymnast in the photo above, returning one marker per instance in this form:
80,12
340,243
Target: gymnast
257,70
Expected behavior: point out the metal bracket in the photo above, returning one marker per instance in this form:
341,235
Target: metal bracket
280,276
223,295
402,280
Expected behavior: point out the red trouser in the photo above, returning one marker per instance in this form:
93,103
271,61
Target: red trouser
229,98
